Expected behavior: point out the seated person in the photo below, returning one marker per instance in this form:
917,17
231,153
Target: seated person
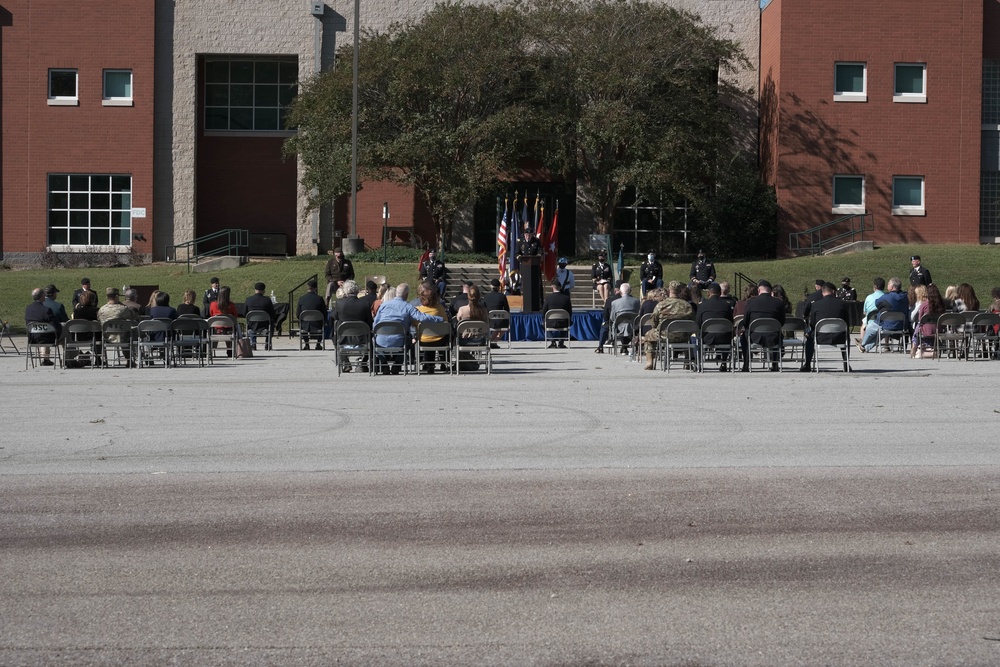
669,309
475,311
711,308
257,301
350,308
311,300
37,311
430,304
189,307
895,300
828,306
628,306
557,300
398,309
495,300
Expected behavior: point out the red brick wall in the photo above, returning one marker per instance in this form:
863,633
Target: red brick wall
939,140
770,89
406,209
90,138
991,29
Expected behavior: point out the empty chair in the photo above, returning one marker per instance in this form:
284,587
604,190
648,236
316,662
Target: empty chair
641,326
500,324
352,347
434,329
767,354
679,344
390,357
80,343
151,343
116,342
189,340
5,333
555,325
984,339
717,340
41,337
472,344
259,323
832,334
950,336
311,323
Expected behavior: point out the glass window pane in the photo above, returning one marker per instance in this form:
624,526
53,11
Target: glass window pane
100,236
121,184
241,96
121,202
79,237
848,191
58,236
266,71
288,71
241,71
100,183
58,218
100,201
265,96
79,183
79,200
850,78
118,83
265,119
122,219
217,71
58,182
58,200
909,79
241,119
907,192
216,95
216,119
286,94
120,236
100,219
79,219
62,83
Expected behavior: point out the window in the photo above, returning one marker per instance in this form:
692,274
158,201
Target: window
88,210
62,87
907,195
850,82
117,87
250,94
911,83
848,194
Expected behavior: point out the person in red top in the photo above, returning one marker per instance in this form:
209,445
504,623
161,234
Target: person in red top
224,306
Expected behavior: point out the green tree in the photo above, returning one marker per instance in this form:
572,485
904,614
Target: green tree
442,107
634,98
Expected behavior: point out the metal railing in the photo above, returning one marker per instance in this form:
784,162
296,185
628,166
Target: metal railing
840,230
740,281
224,242
293,316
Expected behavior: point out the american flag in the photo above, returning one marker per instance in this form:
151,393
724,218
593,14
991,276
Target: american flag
502,243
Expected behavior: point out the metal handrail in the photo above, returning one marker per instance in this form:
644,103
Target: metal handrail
293,316
739,279
236,239
859,224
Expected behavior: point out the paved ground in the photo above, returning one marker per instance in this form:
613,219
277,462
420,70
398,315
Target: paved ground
570,509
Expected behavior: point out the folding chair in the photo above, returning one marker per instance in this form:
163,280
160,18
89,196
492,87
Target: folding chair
886,338
258,322
48,332
442,329
949,338
984,339
832,327
222,329
473,338
80,338
116,338
353,340
683,352
189,340
768,354
384,356
556,334
500,323
311,323
793,335
641,322
714,327
5,333
151,342
624,321
922,340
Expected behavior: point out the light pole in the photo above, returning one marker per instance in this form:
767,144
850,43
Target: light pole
385,233
354,123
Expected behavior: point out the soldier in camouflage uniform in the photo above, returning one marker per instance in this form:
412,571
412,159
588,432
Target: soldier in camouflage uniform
667,310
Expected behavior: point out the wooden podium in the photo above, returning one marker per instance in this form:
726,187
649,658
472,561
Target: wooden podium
531,282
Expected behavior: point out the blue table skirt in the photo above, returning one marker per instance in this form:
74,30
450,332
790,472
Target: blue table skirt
586,325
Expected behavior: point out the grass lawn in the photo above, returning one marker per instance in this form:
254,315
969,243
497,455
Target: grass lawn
949,264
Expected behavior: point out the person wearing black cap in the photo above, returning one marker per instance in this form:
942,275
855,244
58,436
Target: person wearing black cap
803,308
762,306
702,271
565,276
84,287
919,274
311,300
846,292
600,274
338,271
57,308
211,294
258,301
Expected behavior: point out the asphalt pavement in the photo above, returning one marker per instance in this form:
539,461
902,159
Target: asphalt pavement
569,509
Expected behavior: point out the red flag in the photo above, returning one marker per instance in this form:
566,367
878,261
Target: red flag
423,258
550,246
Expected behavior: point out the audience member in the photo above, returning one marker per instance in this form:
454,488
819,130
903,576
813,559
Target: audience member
398,309
349,308
894,300
715,307
869,308
258,301
311,300
628,306
606,317
967,299
759,307
495,300
557,300
150,304
37,311
116,310
223,305
86,309
950,294
669,309
474,311
131,301
430,304
57,308
161,308
749,292
829,306
648,305
726,296
778,292
931,307
189,307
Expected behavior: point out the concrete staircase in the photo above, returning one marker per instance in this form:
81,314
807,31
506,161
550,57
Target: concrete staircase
583,295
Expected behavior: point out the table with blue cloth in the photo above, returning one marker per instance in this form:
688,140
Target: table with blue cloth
586,325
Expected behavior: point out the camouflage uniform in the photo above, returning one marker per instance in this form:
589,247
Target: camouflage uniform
666,311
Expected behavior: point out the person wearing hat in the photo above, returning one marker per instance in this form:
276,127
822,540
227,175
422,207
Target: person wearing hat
57,308
259,301
919,274
845,291
311,300
600,274
565,276
806,305
433,271
211,294
37,311
338,271
77,294
651,273
760,307
528,245
702,271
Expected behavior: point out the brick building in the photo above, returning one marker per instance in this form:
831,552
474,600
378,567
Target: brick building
885,116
